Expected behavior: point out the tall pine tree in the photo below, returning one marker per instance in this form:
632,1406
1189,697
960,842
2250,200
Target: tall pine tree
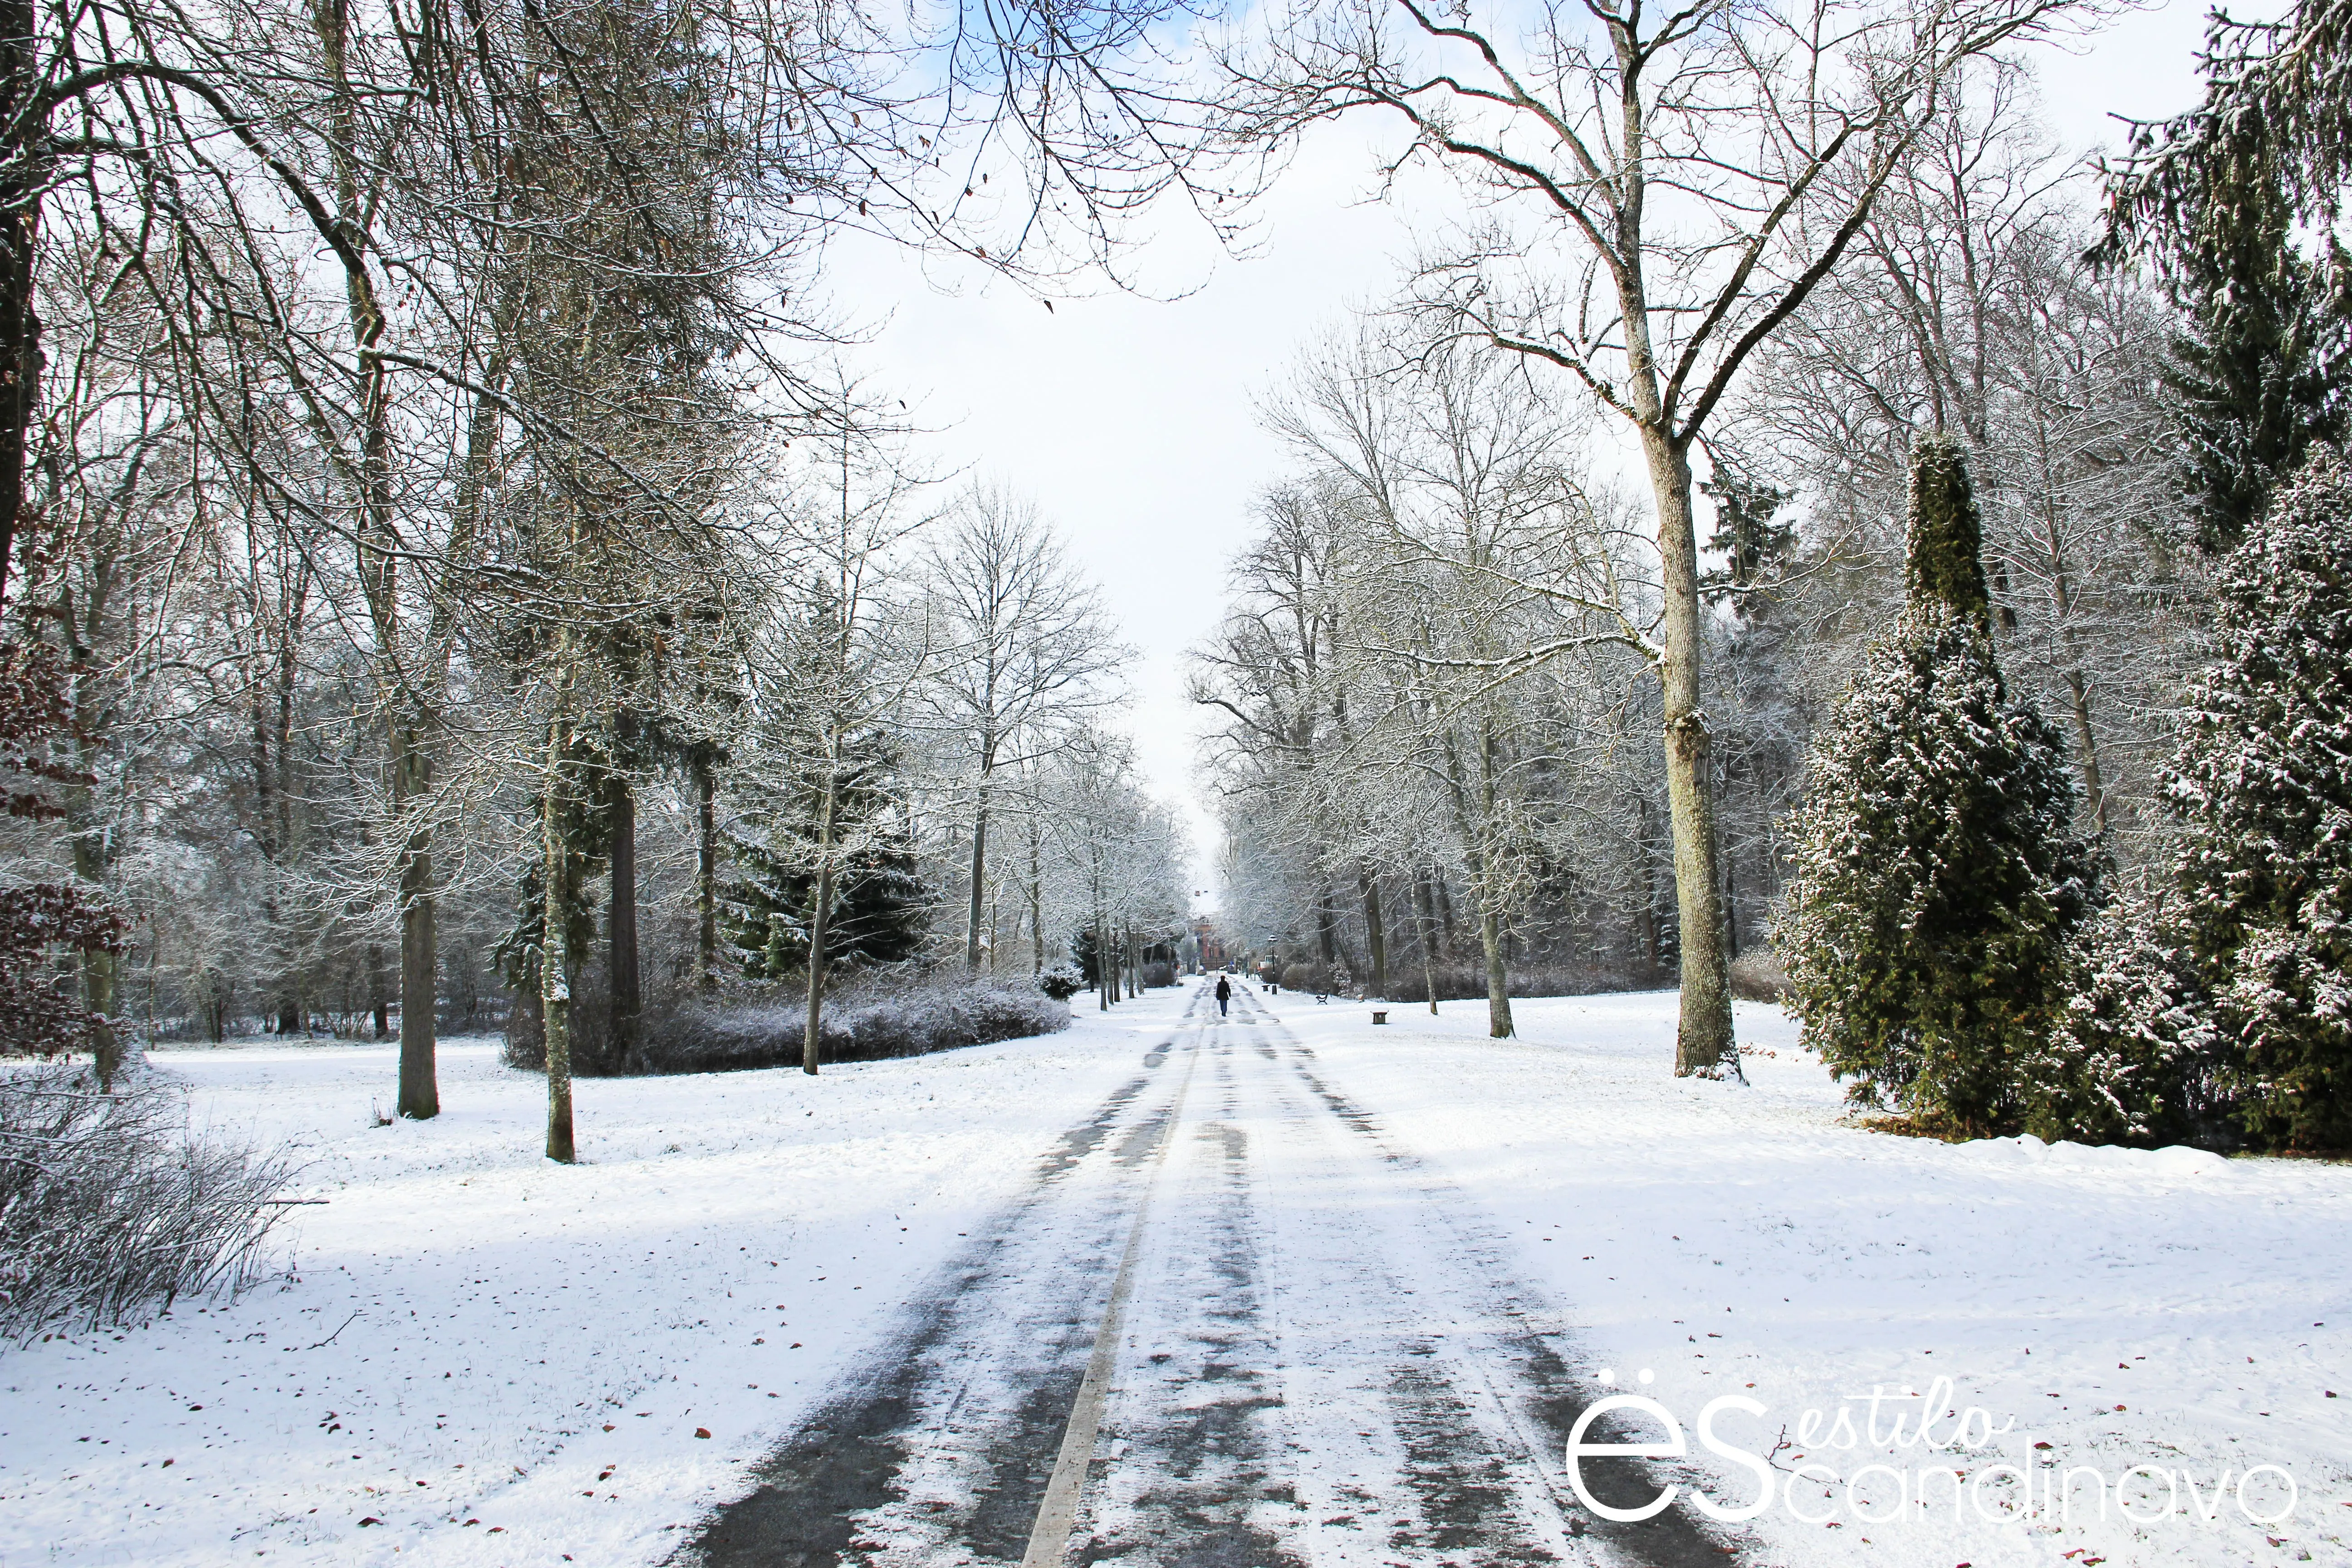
1939,869
2258,371
2214,197
881,907
2264,783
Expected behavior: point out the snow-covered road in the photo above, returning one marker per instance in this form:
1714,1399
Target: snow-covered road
1319,1357
1380,1269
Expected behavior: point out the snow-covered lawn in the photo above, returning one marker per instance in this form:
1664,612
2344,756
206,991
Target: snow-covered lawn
2172,1308
474,1334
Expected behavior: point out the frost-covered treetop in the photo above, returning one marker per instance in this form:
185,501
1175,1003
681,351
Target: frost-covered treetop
1946,545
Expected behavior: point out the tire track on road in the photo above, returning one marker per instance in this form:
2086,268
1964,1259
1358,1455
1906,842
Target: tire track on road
1245,1330
939,1446
1513,1355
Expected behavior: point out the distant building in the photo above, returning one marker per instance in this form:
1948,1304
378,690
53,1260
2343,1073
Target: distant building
1214,954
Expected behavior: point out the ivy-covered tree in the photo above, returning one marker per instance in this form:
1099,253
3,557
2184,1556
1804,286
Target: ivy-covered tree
40,1012
1939,873
586,832
2265,785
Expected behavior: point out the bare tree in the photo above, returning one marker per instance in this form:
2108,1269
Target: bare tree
1668,188
1973,313
1027,655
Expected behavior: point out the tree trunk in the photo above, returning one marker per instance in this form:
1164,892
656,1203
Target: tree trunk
420,1088
101,970
1421,907
380,552
1103,990
979,878
2078,690
706,878
1498,982
1491,940
1653,941
555,956
1704,1046
1375,933
379,1000
1036,901
1490,919
22,174
820,923
627,1002
2078,701
1730,905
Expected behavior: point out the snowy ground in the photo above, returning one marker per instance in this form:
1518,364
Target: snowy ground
473,1334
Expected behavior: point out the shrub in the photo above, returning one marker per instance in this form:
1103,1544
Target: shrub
2133,1057
2265,788
1758,976
1061,981
1938,877
1157,973
109,1203
861,1022
1315,977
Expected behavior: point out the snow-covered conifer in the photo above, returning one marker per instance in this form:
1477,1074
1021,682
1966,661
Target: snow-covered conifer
2265,784
1938,874
2131,1055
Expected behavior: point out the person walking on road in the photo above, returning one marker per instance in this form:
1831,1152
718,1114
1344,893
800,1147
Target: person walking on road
1224,994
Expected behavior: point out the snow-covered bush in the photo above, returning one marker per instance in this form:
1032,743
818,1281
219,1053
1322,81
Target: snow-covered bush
2133,1056
1159,974
1061,981
109,1204
2265,786
921,1022
1939,876
864,1022
1319,978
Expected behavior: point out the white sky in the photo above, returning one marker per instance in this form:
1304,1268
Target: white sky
1130,419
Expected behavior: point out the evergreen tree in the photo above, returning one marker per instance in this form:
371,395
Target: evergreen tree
1938,874
2264,783
2214,197
2131,1058
2258,370
881,905
881,910
1755,545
